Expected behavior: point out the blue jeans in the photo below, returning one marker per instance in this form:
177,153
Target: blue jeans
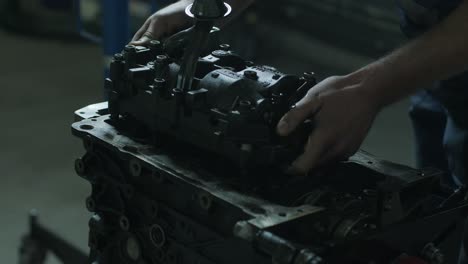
440,142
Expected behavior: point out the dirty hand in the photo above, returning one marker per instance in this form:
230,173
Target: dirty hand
343,113
165,22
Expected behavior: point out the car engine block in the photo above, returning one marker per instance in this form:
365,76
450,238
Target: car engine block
195,176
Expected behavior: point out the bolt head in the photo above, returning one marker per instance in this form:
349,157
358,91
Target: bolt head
155,43
225,47
130,48
220,53
161,59
309,76
118,57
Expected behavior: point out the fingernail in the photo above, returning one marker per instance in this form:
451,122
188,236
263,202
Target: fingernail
283,127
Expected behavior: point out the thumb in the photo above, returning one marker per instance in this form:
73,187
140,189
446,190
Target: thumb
306,107
142,41
152,32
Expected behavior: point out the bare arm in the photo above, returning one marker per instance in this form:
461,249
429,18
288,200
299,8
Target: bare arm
347,105
440,53
172,18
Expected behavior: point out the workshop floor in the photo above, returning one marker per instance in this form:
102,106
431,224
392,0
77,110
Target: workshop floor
42,82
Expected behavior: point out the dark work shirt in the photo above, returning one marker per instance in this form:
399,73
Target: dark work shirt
419,15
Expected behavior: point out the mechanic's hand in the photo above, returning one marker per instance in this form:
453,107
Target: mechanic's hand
342,113
163,23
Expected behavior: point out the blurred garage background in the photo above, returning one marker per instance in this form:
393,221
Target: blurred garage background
53,57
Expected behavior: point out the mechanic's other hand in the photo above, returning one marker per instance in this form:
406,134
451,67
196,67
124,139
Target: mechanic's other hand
165,22
343,114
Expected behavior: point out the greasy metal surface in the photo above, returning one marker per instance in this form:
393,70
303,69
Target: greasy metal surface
186,167
146,154
360,200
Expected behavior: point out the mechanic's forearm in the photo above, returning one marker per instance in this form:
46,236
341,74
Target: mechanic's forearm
440,53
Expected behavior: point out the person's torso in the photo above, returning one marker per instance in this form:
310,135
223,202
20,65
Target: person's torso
419,15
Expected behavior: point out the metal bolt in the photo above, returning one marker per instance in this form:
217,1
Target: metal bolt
309,76
118,57
159,83
220,53
225,47
161,59
155,44
130,49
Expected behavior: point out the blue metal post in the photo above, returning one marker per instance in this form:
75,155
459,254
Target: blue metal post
79,24
154,5
158,4
116,27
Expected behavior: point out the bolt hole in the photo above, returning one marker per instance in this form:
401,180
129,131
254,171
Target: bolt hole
90,204
205,201
86,127
282,214
135,168
124,223
157,236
